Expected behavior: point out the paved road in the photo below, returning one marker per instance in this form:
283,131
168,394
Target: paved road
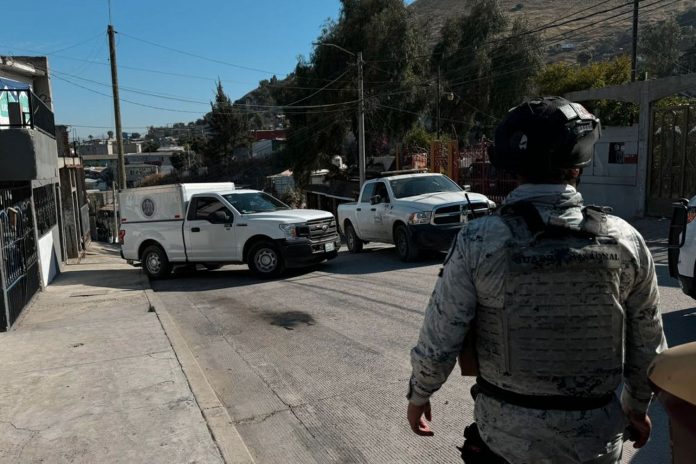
314,367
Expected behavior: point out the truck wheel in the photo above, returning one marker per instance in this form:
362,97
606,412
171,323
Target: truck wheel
355,245
265,260
155,262
404,244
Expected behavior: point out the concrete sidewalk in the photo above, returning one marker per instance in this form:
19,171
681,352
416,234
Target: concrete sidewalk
90,376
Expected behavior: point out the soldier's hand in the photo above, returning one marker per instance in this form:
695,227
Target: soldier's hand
641,427
417,422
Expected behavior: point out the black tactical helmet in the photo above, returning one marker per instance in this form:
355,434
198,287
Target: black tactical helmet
544,135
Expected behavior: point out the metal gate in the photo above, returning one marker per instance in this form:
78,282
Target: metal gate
672,168
476,171
19,274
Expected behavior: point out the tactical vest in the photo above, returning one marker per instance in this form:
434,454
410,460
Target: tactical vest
560,331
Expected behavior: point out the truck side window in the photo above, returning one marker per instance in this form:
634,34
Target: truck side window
368,192
212,210
381,190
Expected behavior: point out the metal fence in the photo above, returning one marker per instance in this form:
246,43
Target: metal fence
46,212
19,276
476,171
25,109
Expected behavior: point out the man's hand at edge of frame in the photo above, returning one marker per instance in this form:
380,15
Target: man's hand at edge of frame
640,426
418,423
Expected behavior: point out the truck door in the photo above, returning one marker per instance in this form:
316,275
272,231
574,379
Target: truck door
364,214
209,231
381,209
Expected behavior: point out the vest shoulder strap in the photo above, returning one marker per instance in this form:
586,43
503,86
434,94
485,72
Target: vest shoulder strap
593,224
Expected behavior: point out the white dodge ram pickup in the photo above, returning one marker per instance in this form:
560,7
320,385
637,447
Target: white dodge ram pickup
413,211
215,224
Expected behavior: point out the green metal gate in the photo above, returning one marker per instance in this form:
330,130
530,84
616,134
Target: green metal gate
672,168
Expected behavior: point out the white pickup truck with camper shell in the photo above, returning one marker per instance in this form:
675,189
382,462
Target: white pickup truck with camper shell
415,211
213,224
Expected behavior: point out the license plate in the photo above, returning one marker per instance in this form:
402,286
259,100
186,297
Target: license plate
329,247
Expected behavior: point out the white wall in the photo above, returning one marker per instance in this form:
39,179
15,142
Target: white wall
49,255
612,178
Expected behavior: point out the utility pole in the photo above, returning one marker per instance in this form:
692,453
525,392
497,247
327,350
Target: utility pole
634,54
121,168
361,122
438,102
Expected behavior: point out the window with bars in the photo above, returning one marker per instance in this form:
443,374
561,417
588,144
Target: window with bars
45,203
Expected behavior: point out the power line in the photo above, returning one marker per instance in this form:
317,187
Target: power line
100,34
245,111
318,91
200,57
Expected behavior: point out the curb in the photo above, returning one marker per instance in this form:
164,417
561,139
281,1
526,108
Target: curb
225,435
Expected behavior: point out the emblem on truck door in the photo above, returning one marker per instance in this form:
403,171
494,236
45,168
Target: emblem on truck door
148,207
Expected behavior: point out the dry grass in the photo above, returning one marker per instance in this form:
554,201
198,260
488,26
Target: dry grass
435,13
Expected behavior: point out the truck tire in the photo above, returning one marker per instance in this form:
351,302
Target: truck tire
155,262
355,245
407,249
265,260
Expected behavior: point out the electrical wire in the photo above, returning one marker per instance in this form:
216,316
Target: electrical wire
100,34
194,55
318,91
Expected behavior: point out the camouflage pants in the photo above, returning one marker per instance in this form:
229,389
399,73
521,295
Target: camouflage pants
532,436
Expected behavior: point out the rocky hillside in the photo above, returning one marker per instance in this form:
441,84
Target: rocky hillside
602,38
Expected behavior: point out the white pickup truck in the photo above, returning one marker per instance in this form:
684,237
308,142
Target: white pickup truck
413,211
682,245
213,224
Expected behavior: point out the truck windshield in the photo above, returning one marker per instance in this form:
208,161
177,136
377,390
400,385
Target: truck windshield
412,186
254,202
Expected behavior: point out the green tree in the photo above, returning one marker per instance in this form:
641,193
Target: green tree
488,66
687,61
659,48
395,94
228,126
561,78
150,146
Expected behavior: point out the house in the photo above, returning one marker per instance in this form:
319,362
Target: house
30,238
73,198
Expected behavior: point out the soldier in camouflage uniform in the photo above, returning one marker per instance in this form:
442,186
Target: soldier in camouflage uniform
562,301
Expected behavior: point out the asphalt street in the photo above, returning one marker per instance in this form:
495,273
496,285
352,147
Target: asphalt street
313,367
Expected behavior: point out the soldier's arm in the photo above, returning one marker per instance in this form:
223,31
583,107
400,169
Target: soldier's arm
644,335
448,315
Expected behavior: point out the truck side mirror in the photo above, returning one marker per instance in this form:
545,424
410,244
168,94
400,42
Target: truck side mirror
220,217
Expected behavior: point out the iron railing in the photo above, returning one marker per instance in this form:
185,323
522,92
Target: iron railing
26,110
46,212
19,271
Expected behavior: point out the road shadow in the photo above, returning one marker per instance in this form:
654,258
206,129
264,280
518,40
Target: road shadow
377,260
123,279
370,261
680,326
663,277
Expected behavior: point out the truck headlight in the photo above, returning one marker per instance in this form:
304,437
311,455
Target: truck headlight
291,231
420,217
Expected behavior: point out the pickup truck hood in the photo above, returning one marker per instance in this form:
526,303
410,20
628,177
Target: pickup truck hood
440,198
289,216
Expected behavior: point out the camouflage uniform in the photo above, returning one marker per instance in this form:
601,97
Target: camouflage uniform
474,277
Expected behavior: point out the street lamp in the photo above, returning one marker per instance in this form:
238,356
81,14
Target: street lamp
361,107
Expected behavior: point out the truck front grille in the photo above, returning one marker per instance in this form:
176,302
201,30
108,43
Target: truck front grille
459,213
319,229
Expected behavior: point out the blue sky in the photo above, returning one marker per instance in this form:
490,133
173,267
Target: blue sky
266,35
